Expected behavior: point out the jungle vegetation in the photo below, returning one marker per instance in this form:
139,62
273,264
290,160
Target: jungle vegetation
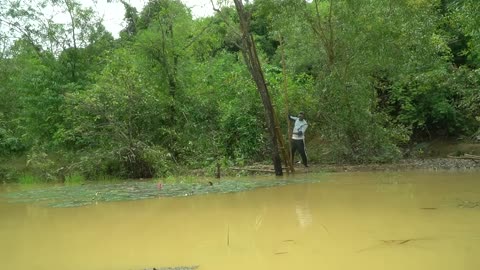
175,93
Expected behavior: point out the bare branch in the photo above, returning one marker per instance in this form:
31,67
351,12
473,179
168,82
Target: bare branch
225,20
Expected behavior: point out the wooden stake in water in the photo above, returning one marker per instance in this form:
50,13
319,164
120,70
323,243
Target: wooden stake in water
228,235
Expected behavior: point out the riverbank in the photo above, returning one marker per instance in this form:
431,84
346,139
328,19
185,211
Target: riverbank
429,164
432,156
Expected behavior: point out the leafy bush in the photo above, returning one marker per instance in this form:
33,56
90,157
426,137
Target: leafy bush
9,144
437,103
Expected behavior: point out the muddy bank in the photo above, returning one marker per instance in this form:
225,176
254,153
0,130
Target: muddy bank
431,164
446,155
432,156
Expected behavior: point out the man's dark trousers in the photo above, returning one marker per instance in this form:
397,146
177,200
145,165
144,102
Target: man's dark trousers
300,146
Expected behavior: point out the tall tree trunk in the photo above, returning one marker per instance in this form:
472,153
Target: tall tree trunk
71,12
170,64
253,63
323,29
172,77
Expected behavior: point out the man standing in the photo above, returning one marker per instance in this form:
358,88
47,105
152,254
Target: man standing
298,137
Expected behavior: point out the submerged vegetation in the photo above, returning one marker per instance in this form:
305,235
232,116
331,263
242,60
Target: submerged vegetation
82,195
172,93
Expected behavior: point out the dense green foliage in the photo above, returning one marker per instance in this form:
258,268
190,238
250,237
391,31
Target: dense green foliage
172,92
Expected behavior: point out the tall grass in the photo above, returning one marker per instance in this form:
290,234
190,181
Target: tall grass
74,179
28,179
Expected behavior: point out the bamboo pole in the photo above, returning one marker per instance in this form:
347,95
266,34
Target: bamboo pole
252,61
285,87
281,143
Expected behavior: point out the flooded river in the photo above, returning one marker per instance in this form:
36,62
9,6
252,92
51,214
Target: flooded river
362,221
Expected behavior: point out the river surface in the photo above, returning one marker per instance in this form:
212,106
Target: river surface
362,221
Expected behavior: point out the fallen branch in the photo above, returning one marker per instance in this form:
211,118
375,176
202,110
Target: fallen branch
392,242
472,156
397,242
466,156
253,170
174,268
258,169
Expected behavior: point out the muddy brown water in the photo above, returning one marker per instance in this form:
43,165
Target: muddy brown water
407,220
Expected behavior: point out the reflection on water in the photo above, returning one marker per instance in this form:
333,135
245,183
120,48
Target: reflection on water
352,221
303,215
